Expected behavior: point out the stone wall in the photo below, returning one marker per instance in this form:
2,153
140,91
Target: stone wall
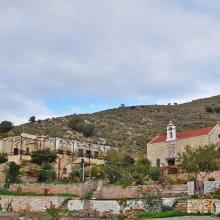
73,189
211,186
184,177
108,192
199,206
182,206
29,203
40,203
106,205
116,192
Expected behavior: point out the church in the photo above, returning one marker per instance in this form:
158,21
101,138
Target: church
163,149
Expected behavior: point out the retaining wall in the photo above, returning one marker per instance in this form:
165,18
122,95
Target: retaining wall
199,206
73,189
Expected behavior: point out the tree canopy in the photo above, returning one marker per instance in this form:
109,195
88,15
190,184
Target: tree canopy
5,126
201,159
78,124
13,172
32,119
43,156
3,158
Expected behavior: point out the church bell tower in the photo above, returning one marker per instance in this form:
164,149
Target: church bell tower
171,132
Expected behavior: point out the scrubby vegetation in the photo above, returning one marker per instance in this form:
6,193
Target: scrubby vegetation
161,214
129,128
78,124
119,169
215,109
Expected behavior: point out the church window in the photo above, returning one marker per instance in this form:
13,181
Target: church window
15,151
158,162
64,171
171,134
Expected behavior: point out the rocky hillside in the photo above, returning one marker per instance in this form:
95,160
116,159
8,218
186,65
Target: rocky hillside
132,127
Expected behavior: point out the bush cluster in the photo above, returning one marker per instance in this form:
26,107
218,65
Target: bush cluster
212,109
5,126
78,124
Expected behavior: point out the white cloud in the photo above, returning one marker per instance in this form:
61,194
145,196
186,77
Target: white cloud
106,49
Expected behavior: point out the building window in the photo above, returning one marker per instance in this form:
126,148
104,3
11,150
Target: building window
219,136
68,152
81,153
16,151
88,153
60,151
64,171
27,151
171,162
158,162
171,134
96,154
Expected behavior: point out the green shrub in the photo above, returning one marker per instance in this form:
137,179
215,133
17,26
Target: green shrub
87,196
160,214
12,174
3,158
88,130
97,171
46,174
75,176
128,160
52,213
209,109
43,156
5,126
155,174
78,124
74,122
217,110
138,179
124,182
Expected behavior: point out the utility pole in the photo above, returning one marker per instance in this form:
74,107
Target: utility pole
82,164
55,143
21,148
59,168
89,152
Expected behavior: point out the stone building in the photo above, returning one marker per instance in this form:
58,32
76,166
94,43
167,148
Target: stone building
24,144
163,149
70,152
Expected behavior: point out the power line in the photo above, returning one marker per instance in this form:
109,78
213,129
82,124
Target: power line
119,172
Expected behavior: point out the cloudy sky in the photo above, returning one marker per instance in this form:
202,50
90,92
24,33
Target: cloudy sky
60,57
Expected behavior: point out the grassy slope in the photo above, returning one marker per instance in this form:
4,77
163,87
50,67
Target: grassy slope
132,127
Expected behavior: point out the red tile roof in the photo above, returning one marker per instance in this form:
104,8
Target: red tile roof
183,135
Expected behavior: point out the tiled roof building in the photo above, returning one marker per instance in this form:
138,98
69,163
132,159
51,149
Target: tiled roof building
163,149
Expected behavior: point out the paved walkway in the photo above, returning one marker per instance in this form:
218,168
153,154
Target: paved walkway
191,218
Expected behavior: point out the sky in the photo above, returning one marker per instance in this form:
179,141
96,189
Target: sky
59,57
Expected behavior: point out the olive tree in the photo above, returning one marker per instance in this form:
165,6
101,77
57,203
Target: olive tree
200,161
